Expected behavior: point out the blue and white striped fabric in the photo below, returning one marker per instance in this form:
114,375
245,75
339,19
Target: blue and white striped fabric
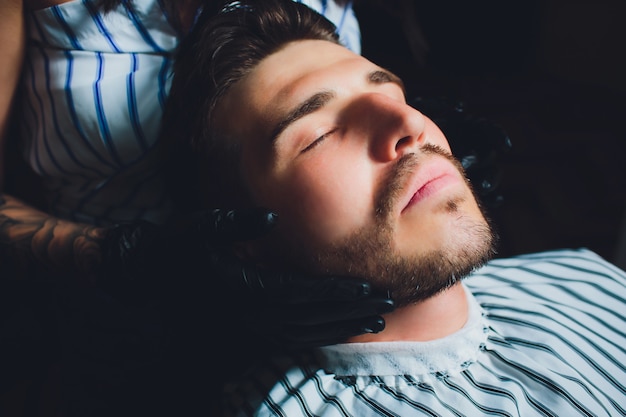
340,12
546,337
94,87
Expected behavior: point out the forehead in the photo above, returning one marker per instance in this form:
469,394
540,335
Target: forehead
284,78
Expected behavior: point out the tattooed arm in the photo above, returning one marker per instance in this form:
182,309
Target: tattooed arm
33,242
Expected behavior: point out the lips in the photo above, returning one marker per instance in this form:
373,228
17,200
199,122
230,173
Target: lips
430,177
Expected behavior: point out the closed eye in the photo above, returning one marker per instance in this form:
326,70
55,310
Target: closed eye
317,141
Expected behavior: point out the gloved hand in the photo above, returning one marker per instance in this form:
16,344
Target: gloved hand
476,141
291,311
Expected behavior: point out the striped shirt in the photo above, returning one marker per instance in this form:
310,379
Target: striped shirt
93,90
546,336
342,15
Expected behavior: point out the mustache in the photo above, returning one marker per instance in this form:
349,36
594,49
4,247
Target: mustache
387,196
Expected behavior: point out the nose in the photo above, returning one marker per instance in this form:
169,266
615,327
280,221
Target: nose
391,127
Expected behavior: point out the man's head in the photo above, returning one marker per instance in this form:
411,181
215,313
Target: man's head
363,184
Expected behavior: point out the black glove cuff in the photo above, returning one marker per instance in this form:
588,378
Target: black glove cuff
132,258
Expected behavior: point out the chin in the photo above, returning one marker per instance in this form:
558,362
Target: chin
442,231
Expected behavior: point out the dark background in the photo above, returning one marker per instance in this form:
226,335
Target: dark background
552,74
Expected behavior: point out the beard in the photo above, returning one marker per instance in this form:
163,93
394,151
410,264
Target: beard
408,279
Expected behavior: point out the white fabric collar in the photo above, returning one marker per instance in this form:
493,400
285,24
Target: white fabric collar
450,354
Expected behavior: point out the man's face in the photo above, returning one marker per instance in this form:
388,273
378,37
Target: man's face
363,184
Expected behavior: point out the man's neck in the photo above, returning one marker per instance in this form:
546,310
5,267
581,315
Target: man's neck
434,318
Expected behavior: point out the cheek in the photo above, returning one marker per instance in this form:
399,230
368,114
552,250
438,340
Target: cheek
326,199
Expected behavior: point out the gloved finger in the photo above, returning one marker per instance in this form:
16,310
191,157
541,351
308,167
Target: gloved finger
327,334
313,314
297,289
247,279
224,226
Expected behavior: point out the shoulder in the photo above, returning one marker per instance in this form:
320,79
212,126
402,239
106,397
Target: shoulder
552,284
553,267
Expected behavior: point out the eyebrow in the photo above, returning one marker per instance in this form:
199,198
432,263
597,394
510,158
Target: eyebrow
320,99
308,106
382,77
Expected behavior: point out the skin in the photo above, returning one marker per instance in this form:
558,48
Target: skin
328,174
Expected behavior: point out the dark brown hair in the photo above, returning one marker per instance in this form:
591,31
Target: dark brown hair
222,48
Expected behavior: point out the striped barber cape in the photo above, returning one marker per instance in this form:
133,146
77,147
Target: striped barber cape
546,336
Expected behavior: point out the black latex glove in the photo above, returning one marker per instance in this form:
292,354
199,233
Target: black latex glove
476,141
290,310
